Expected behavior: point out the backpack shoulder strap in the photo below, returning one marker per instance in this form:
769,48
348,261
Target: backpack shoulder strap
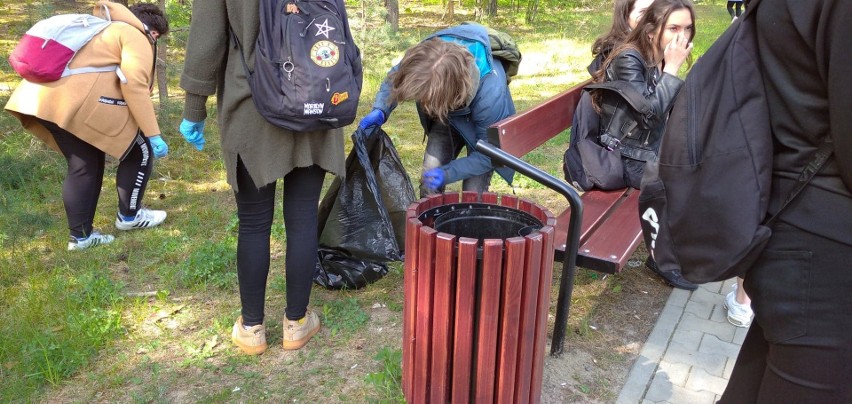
627,92
820,157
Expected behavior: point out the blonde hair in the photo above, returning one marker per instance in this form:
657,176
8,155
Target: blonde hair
436,74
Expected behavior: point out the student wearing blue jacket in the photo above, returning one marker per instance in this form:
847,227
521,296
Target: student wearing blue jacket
460,90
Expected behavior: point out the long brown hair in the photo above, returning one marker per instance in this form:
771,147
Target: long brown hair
436,74
652,23
619,29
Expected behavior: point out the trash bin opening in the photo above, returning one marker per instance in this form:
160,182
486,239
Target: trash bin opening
480,221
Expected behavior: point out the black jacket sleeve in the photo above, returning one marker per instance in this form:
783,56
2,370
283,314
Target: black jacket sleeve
629,66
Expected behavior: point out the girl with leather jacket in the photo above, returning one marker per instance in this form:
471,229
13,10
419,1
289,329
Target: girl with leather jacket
645,68
647,62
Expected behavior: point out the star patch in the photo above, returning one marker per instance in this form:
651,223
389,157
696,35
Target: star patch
324,29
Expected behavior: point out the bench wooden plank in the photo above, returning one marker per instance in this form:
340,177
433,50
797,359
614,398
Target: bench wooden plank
521,133
595,207
609,248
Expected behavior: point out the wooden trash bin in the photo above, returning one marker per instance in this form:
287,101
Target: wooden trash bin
476,303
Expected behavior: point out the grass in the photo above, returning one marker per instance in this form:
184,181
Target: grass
146,319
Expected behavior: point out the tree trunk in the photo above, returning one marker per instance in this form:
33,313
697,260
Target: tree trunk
532,11
450,11
491,9
393,14
162,77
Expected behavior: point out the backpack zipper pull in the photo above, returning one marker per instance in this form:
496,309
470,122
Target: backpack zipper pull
287,67
327,84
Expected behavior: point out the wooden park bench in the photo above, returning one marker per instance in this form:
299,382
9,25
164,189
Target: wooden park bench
610,229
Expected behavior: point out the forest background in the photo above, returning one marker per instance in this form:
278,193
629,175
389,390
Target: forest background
147,319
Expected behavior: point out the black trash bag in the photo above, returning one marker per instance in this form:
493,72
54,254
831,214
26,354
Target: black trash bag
337,271
362,218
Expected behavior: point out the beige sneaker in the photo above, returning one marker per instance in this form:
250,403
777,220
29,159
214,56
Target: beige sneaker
251,341
298,333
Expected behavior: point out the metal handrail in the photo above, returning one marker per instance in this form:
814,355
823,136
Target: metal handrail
572,244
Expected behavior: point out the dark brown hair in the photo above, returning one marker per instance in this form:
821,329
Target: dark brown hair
152,16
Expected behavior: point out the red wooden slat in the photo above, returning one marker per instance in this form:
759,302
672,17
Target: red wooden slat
409,305
537,375
531,208
442,317
423,326
463,330
489,312
523,132
529,304
609,248
488,197
509,200
469,196
451,198
511,312
596,206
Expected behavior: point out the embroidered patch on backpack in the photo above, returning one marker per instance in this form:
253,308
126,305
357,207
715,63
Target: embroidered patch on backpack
325,53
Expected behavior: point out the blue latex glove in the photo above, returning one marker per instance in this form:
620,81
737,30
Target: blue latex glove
433,178
193,132
161,149
375,118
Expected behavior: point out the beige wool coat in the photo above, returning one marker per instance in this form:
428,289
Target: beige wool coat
81,103
213,66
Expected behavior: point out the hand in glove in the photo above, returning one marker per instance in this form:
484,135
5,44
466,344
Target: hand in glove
193,132
161,149
433,178
375,118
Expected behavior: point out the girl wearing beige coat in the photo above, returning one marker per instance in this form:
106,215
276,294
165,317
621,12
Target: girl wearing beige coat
86,116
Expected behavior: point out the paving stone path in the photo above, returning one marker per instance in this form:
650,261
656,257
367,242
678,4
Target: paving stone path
689,354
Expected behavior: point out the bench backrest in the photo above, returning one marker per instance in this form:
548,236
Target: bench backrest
523,132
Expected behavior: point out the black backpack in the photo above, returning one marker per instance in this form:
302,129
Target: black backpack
703,205
593,158
307,68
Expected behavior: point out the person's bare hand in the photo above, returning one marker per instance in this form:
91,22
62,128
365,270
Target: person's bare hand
675,54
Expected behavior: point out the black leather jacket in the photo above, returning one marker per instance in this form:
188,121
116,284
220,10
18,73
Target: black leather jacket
638,134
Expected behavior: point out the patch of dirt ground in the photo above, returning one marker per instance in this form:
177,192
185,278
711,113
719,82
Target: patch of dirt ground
611,317
178,350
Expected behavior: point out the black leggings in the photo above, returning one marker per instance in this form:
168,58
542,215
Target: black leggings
82,185
255,209
739,5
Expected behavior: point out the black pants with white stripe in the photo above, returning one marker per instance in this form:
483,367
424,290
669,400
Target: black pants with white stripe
82,185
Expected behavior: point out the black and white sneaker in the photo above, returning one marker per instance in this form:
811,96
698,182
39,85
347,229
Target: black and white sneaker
94,239
144,219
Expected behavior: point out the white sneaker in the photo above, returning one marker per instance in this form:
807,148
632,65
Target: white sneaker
144,219
738,314
94,239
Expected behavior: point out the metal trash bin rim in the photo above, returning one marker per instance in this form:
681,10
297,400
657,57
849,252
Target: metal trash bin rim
480,221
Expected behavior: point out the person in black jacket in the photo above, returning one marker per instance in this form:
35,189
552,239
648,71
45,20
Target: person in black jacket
647,62
799,346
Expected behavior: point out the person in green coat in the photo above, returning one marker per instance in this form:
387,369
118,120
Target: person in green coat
256,154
